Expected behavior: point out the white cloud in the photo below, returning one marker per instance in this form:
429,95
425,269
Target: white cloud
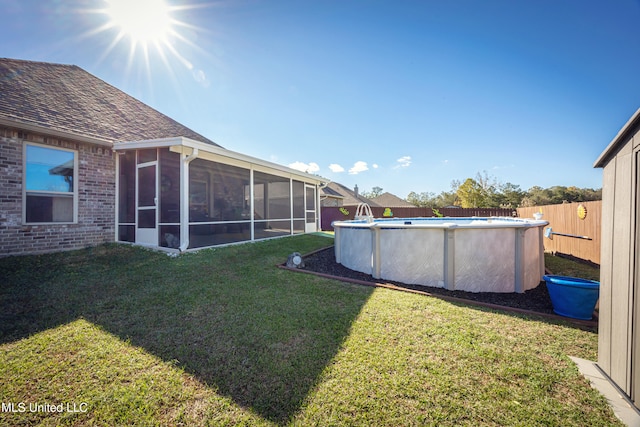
336,168
304,167
358,167
200,77
375,166
404,161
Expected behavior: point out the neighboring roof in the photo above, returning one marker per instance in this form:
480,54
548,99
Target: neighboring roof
330,192
620,138
389,200
350,197
65,99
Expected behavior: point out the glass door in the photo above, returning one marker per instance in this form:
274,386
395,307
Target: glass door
310,209
147,201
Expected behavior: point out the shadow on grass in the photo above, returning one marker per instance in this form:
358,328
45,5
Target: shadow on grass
255,333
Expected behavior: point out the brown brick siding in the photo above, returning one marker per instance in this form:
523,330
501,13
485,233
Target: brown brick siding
96,198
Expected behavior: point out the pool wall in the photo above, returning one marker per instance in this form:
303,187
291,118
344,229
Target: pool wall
469,254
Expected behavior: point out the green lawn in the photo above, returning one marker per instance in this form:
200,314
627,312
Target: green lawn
223,337
565,267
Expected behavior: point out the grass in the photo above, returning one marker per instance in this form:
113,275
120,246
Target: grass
222,337
566,267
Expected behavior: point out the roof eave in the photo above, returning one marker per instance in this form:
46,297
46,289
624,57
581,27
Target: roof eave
213,149
613,145
53,132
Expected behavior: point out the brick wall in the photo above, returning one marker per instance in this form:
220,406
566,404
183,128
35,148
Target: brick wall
96,198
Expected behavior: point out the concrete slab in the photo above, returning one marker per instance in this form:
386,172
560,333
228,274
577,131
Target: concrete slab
620,404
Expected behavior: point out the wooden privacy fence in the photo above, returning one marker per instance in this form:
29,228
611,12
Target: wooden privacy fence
565,219
342,213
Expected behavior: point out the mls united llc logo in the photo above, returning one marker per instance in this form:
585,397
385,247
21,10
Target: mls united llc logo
22,407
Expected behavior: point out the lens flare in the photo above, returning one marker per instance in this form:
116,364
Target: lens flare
144,21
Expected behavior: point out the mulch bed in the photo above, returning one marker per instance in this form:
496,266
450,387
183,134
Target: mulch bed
533,301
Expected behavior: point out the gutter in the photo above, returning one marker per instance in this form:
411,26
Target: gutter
184,202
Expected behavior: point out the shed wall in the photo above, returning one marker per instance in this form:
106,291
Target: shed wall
617,282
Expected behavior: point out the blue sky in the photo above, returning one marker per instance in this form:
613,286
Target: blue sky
403,95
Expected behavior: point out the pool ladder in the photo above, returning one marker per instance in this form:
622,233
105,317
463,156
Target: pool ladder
363,211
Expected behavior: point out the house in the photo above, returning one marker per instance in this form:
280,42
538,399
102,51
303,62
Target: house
619,312
335,194
389,200
82,163
330,197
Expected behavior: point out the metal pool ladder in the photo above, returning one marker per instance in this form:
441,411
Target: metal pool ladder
363,211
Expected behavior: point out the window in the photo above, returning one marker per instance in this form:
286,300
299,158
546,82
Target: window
50,184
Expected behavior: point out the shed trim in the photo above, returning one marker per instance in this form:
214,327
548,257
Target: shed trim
620,137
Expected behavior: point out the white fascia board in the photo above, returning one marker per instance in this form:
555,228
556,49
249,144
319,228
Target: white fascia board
149,143
233,156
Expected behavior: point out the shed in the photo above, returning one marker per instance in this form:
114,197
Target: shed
618,343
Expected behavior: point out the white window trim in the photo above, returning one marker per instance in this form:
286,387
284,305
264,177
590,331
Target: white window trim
24,184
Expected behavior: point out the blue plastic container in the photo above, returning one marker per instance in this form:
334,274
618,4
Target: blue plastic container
573,297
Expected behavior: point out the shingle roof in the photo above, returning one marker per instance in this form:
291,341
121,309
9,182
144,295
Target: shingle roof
350,197
389,200
328,191
65,98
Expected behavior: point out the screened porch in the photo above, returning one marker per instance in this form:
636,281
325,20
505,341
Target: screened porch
182,194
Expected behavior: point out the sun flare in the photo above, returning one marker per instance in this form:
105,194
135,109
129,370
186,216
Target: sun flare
147,33
144,21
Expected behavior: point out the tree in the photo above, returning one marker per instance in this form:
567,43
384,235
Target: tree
431,200
511,196
375,192
419,200
538,196
486,191
471,194
446,198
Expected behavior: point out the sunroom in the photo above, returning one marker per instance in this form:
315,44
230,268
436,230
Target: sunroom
182,194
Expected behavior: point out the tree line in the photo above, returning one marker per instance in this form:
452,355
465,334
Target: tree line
485,191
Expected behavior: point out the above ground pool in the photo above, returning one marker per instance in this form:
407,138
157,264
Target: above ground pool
469,254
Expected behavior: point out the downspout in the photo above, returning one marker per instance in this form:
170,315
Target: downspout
252,233
116,236
184,200
319,201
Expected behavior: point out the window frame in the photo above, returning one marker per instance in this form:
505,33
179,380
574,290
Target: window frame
25,192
